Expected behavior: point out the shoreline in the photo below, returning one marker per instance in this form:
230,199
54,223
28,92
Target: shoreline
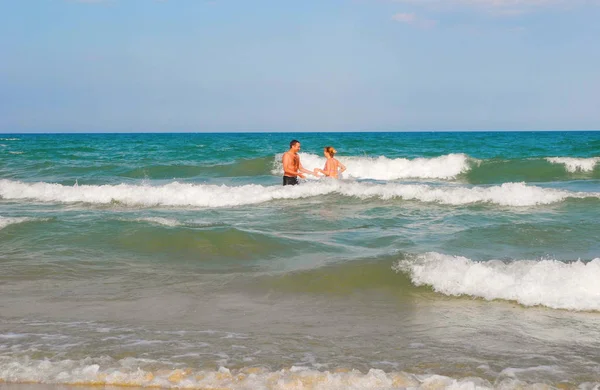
296,378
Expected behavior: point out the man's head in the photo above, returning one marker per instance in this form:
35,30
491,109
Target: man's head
295,146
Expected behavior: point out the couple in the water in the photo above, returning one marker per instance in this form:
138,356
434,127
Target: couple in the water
293,169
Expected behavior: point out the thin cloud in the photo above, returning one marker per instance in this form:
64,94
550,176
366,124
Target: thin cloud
413,19
404,17
90,1
500,7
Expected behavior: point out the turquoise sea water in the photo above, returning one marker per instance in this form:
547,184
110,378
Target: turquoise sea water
179,260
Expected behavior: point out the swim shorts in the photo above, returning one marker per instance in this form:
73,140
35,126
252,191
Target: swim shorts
290,181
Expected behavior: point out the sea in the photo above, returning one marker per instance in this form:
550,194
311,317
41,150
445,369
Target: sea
463,260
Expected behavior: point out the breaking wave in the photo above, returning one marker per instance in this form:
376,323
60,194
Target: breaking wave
383,168
6,221
455,166
576,164
555,284
206,195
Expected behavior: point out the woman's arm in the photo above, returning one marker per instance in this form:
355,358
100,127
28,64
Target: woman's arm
304,170
342,166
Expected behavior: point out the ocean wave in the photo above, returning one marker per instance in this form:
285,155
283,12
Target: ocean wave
576,164
242,167
132,372
382,168
206,195
555,284
456,166
10,139
530,170
6,221
159,221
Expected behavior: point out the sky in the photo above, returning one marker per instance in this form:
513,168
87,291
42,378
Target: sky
305,65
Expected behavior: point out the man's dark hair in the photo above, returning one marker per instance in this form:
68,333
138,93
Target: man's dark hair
294,142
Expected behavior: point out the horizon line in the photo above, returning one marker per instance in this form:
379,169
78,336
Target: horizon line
294,132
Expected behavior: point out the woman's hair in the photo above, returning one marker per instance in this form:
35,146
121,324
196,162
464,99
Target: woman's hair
330,150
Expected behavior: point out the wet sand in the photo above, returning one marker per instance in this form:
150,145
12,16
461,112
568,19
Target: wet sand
37,386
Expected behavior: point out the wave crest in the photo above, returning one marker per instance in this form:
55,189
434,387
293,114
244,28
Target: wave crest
575,164
6,221
550,283
205,195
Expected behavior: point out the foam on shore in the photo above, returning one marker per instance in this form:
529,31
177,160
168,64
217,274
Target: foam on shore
127,373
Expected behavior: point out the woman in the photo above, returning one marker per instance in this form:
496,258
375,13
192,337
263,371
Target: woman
333,168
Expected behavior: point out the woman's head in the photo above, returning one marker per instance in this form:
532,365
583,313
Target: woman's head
329,150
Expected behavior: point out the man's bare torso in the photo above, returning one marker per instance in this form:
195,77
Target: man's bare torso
295,163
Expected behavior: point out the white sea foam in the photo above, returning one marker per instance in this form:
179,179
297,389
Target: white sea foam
551,283
159,221
5,221
204,195
576,164
10,139
383,168
132,372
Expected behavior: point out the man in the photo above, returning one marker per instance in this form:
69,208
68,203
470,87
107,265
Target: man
292,169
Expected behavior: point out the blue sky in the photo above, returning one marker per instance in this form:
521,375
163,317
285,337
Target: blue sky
282,65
